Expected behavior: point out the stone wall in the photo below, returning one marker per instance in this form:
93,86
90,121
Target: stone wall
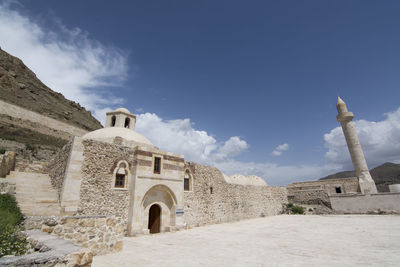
310,197
57,167
213,200
97,195
7,163
373,203
100,234
347,185
318,192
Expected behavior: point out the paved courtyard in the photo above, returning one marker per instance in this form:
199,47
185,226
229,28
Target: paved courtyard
297,240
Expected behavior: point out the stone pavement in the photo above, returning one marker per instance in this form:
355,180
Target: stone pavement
285,240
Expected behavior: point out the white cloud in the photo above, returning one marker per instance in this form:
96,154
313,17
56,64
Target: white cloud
279,149
179,136
66,60
232,147
380,141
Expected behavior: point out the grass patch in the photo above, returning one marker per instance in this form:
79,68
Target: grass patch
293,209
12,242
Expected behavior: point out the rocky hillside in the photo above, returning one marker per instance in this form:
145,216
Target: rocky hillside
35,140
383,175
20,86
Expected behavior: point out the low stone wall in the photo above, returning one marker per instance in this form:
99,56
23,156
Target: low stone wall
310,197
213,200
57,167
100,234
7,163
374,203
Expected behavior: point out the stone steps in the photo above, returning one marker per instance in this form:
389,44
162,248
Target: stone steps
24,165
34,193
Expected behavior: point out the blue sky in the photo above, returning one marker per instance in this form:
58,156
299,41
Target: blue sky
247,86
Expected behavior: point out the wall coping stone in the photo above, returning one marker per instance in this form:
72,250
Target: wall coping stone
354,194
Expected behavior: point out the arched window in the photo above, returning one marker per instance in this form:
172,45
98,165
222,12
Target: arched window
187,181
112,121
127,121
121,174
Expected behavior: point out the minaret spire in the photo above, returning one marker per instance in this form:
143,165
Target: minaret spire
345,118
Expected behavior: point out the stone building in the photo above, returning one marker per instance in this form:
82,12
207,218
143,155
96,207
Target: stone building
320,191
115,170
116,176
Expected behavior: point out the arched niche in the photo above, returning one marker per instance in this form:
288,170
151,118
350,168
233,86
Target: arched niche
162,196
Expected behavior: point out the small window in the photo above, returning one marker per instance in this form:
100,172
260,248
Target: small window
187,182
121,176
127,121
112,121
211,190
338,189
120,180
157,164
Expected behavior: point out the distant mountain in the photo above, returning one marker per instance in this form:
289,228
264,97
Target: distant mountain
383,175
20,86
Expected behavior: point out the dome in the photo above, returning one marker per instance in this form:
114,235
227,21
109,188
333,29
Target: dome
122,110
245,180
109,133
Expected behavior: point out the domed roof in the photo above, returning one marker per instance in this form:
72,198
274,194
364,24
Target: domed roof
109,133
245,180
122,110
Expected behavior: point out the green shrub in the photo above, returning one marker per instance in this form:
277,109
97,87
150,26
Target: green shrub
289,205
12,242
2,151
29,147
297,210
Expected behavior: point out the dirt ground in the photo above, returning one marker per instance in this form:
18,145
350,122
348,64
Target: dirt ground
286,240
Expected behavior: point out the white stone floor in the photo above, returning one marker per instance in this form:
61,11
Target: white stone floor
285,240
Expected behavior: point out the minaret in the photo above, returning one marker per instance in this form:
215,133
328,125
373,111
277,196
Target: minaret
345,118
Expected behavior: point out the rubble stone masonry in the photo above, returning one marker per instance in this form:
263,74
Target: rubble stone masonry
97,195
213,200
57,167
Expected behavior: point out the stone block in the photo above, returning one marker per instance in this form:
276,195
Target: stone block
89,222
111,222
47,229
118,246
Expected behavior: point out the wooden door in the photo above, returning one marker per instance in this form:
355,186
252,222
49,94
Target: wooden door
154,219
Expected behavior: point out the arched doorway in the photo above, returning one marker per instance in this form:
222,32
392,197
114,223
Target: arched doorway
154,219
